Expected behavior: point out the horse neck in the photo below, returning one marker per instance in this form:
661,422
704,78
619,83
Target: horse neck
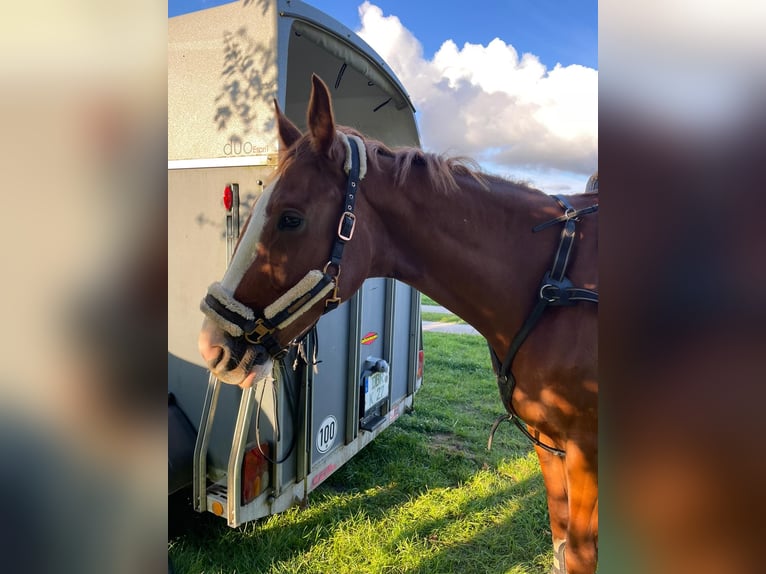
468,249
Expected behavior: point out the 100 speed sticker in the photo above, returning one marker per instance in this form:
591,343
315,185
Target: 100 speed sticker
326,434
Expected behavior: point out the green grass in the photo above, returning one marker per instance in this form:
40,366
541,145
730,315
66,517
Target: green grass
425,497
426,300
442,318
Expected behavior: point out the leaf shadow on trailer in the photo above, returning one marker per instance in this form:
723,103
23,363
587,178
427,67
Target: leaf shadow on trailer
262,4
248,85
247,201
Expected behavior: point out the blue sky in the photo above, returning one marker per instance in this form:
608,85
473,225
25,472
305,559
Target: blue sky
511,83
556,31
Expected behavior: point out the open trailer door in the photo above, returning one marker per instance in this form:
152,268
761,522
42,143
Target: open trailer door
261,450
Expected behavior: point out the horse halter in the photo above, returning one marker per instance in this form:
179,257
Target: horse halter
240,320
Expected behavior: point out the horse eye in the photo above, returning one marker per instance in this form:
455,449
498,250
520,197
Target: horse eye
289,221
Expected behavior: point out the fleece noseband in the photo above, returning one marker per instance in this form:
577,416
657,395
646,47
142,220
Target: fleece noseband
240,320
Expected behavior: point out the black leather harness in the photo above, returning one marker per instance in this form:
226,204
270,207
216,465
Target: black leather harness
556,290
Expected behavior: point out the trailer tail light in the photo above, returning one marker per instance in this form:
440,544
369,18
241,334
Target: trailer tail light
228,198
255,472
421,363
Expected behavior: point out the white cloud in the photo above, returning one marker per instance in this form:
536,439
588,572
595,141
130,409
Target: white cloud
509,112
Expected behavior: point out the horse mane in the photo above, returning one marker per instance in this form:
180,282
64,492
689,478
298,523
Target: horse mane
441,169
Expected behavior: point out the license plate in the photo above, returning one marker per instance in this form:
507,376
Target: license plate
375,389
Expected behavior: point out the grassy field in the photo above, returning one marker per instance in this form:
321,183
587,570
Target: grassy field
425,497
448,318
426,300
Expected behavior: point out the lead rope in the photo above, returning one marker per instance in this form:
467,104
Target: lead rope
279,367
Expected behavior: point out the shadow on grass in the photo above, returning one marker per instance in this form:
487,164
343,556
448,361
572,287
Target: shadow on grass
441,447
493,544
506,527
204,543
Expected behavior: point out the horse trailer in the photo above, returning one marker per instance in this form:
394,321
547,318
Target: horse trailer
250,453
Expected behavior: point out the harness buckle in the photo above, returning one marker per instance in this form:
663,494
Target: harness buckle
346,220
550,298
261,330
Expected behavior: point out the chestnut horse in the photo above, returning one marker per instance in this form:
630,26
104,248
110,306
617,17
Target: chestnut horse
343,208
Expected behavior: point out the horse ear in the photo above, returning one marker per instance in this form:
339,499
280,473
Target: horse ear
288,133
320,117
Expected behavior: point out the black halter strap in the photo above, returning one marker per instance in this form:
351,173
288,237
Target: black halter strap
556,290
260,330
346,226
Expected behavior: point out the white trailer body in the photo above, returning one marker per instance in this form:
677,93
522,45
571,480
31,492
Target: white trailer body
262,450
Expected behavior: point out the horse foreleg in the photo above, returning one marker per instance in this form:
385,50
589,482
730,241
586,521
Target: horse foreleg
555,479
582,486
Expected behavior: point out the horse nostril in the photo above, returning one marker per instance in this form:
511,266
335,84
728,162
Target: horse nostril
212,355
211,344
214,358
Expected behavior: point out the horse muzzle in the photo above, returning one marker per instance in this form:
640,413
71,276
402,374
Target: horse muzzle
232,359
236,342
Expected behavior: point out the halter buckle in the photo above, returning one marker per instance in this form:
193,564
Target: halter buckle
346,220
261,330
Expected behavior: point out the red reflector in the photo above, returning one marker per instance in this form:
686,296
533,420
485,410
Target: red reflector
255,471
228,198
421,362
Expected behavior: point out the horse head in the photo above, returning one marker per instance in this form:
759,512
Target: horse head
291,263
